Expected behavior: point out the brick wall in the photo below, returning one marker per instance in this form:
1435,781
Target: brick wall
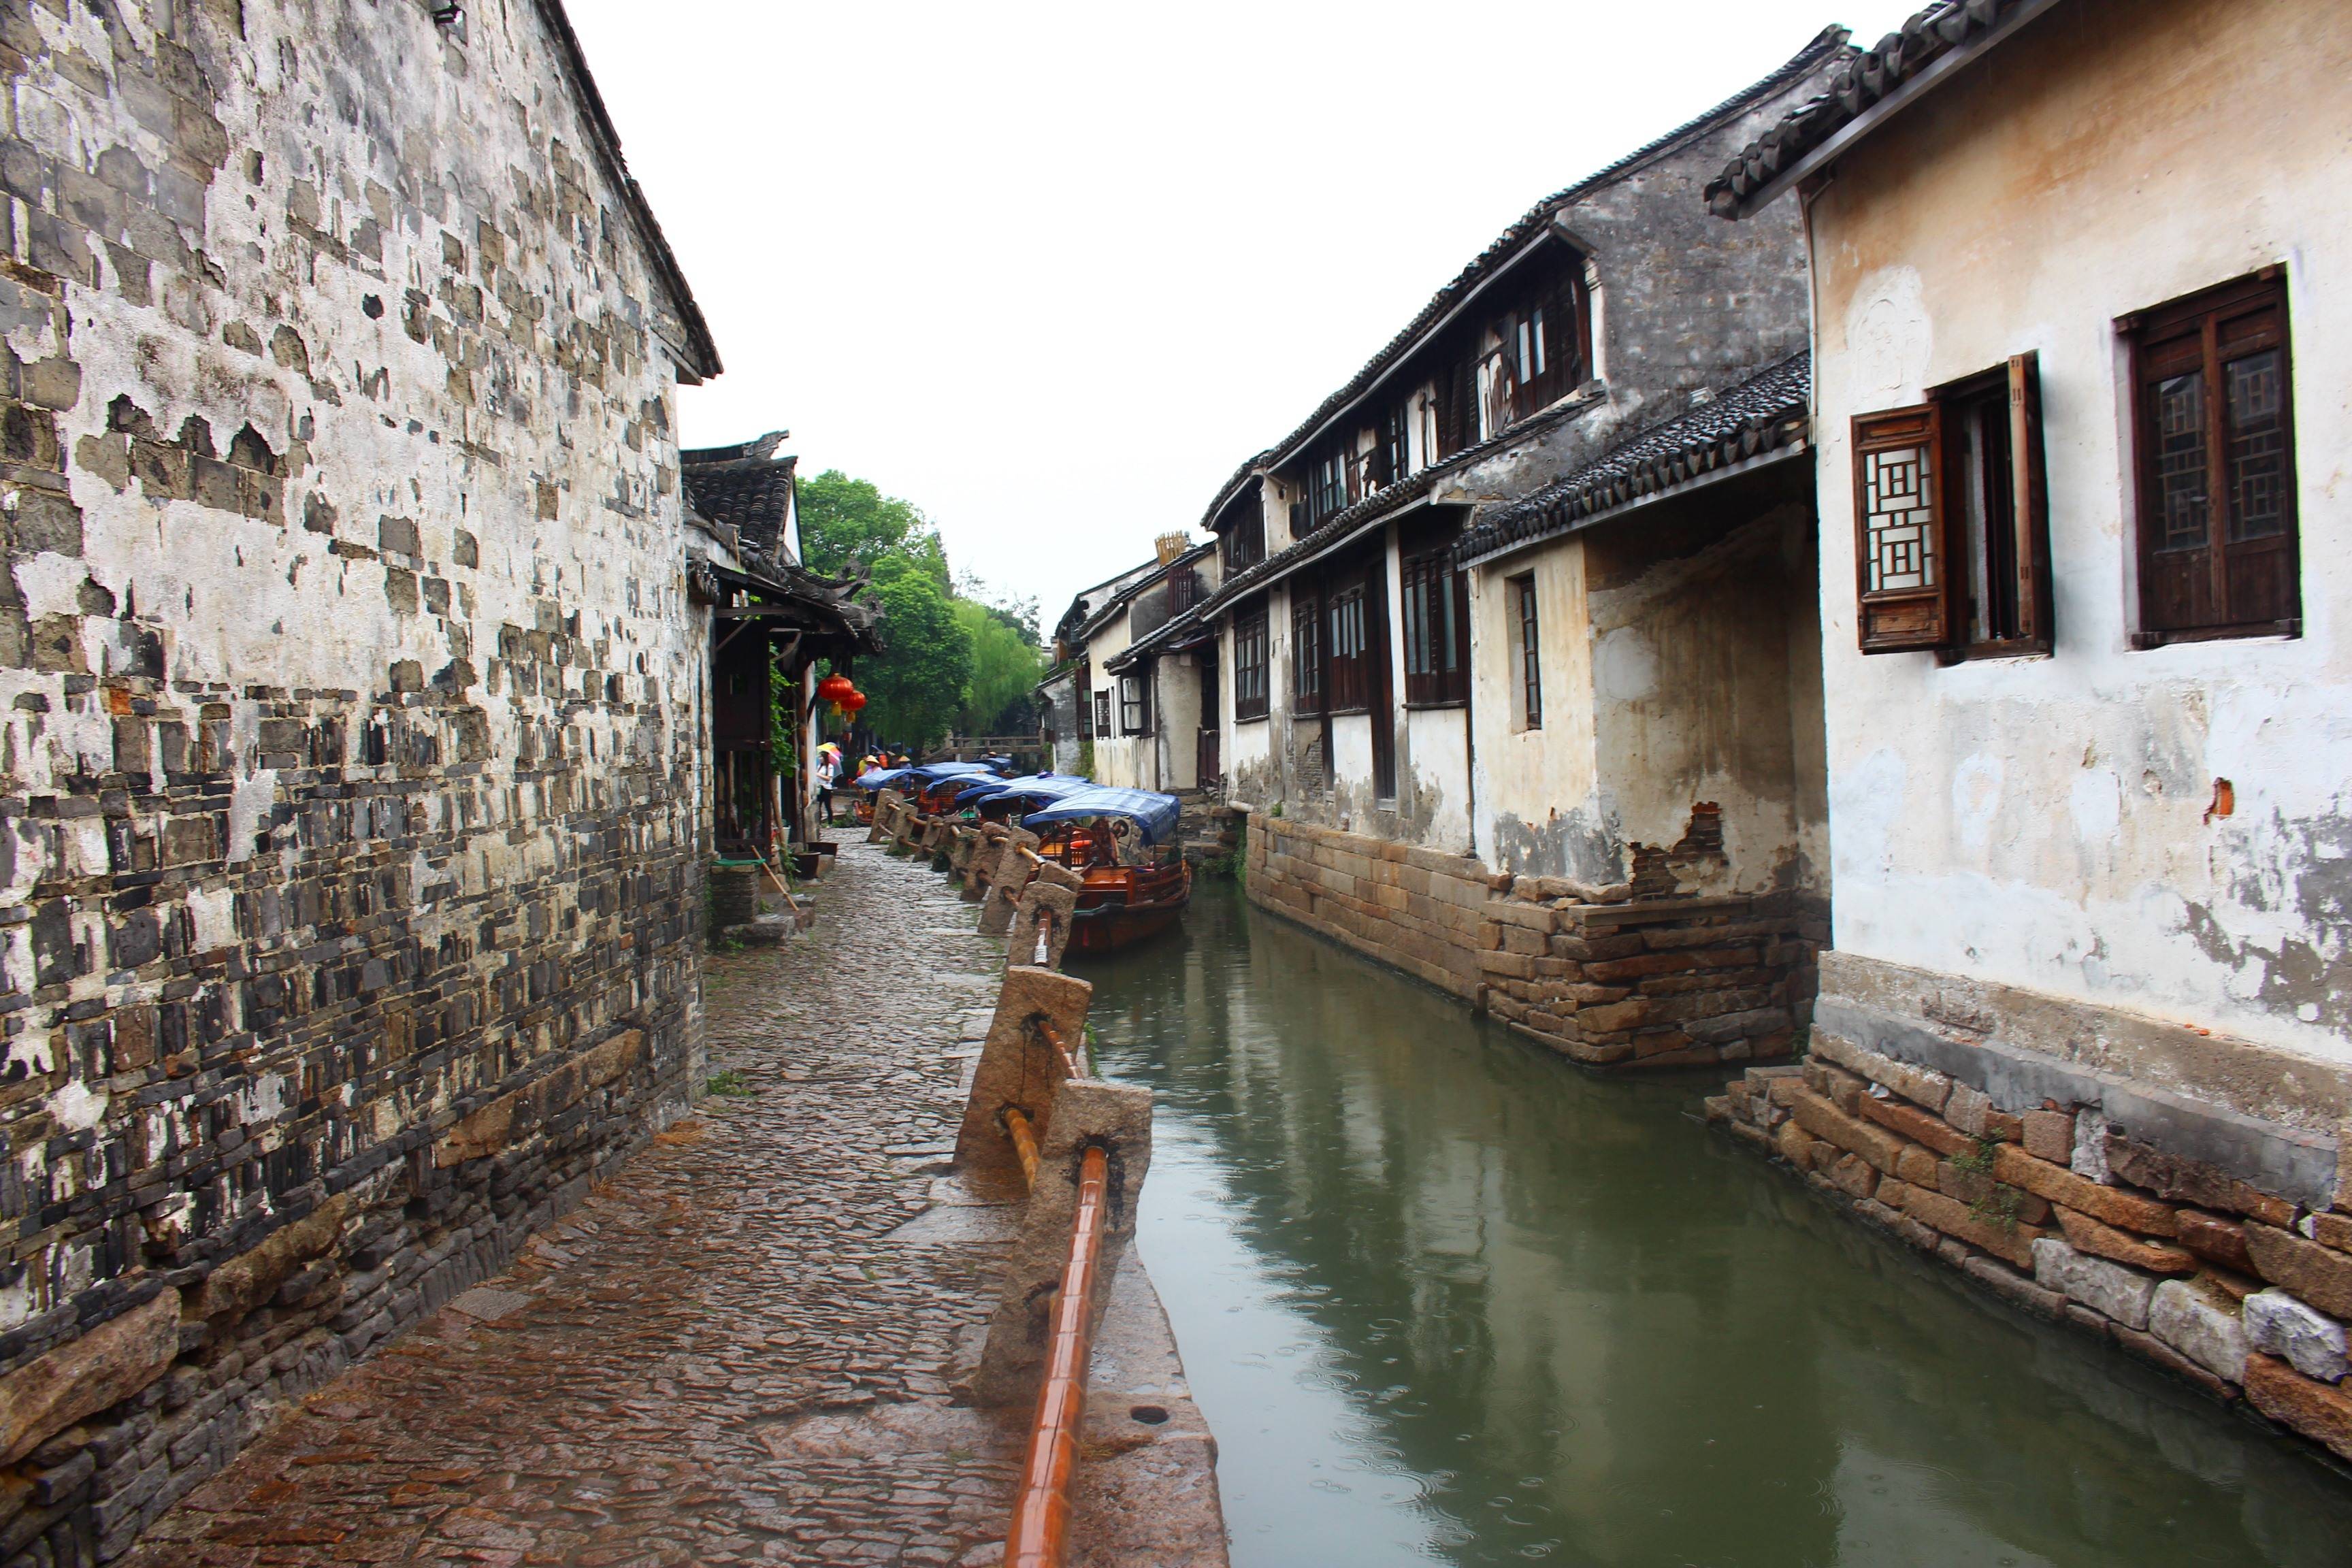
350,710
1662,983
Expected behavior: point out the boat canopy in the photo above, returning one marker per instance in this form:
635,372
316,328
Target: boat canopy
1154,815
1039,788
932,773
878,779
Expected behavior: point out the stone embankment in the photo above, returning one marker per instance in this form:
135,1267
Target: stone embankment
2057,1210
1603,978
744,1347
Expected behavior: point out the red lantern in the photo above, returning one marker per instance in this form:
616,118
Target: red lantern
834,687
855,700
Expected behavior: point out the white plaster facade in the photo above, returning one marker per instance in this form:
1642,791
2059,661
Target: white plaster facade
2061,824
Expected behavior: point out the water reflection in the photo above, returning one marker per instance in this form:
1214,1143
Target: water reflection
1445,1299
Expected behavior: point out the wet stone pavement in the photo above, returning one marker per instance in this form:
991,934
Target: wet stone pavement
722,1356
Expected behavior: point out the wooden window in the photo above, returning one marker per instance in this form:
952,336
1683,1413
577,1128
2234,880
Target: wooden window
1251,656
1350,689
1395,455
1306,651
2213,421
1132,716
1183,589
1102,715
1900,537
1952,521
1327,487
1527,644
1436,631
1246,536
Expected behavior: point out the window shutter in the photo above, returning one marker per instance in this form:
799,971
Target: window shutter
1903,552
2030,502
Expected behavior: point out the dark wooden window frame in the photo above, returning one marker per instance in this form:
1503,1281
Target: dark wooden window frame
2247,586
1530,648
1348,688
1305,650
1436,616
1252,666
1246,537
1102,707
1134,704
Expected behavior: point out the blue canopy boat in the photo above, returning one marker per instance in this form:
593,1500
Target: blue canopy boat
1123,902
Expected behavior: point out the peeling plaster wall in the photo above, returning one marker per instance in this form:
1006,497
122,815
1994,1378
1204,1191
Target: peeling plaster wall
1542,809
1119,760
350,705
2044,823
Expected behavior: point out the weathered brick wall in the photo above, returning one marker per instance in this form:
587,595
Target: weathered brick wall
1647,982
1414,910
2187,1265
349,709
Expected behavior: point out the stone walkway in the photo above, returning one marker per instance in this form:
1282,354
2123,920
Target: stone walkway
724,1356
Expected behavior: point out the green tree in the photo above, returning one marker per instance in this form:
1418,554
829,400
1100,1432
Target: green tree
1005,666
847,524
915,689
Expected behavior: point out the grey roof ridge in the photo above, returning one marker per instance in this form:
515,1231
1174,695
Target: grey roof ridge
1824,44
1754,416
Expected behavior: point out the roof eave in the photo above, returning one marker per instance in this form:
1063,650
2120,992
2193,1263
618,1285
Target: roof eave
1798,447
1906,93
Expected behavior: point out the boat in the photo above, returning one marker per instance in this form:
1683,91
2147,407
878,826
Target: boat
1132,890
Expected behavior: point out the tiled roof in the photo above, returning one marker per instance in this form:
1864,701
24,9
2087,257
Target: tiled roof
1943,29
1826,46
1763,413
745,486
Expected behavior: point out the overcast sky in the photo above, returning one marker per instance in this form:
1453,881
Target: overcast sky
1051,271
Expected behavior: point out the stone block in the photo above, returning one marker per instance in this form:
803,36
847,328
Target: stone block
2184,1180
1854,1176
2320,1411
2205,1330
1827,1122
2319,1276
2050,1135
1917,1167
2213,1238
1966,1109
86,1375
1513,912
2127,1211
1923,1085
2008,1282
1954,1218
1016,1068
1088,1114
252,1277
1795,1144
1041,924
1915,1124
2109,1289
2309,1340
2088,1234
2148,1348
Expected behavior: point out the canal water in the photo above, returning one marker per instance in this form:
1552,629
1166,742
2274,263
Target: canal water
1445,1298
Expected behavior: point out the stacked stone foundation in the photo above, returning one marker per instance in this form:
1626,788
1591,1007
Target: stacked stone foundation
2067,1212
1595,974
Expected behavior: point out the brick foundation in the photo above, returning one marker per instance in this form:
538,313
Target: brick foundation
2060,1212
1651,982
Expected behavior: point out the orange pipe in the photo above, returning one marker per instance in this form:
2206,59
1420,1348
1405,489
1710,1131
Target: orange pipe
1024,1142
1041,1513
1052,1037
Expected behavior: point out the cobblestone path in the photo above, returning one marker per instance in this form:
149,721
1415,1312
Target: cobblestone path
723,1356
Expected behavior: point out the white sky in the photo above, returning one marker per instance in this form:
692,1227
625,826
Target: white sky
1051,271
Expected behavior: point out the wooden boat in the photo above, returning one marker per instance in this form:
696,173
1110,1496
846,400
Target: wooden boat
1123,902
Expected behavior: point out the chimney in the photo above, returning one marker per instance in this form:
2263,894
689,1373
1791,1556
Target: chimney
1172,545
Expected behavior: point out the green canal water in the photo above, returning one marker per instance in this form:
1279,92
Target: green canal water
1445,1298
